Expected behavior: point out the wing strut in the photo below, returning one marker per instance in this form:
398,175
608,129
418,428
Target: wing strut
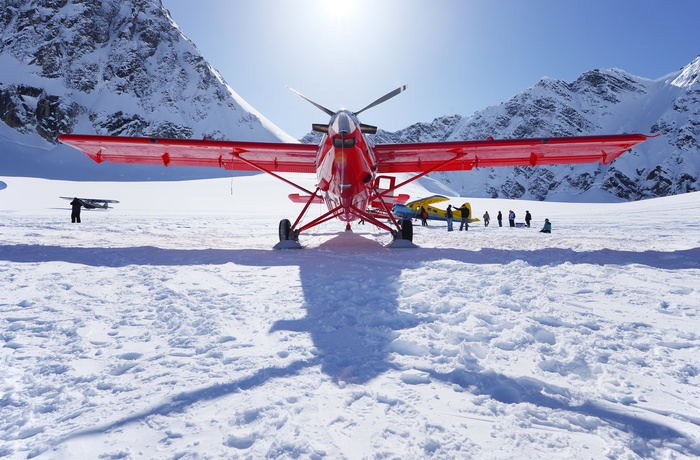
373,220
312,198
386,209
332,214
267,171
424,173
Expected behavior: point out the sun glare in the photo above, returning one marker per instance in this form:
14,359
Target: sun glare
336,9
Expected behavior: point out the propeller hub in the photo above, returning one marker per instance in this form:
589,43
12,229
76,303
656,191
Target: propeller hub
343,123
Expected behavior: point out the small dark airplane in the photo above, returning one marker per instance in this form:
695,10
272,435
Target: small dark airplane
350,169
93,203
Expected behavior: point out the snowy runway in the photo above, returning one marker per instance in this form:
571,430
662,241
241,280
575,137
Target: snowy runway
178,333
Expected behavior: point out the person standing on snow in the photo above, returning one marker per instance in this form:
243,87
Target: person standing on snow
500,219
528,218
76,204
464,224
423,217
487,219
448,215
511,218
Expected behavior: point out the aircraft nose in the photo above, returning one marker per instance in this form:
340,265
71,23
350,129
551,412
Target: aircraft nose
343,123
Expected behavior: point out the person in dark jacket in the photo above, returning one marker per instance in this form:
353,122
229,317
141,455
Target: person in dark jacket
464,224
511,218
547,227
500,219
448,215
76,204
528,218
487,219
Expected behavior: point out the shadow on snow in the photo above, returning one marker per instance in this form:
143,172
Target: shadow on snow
350,286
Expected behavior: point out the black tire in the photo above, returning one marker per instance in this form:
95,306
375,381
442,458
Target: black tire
407,230
285,229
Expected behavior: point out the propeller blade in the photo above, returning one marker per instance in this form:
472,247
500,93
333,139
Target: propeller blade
328,111
384,98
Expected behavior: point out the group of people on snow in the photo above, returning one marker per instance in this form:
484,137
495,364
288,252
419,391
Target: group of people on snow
511,218
528,220
464,222
464,225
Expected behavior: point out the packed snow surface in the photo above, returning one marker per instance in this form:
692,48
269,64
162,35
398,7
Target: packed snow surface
167,328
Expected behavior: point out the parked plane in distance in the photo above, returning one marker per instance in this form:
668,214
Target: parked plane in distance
351,170
410,209
93,203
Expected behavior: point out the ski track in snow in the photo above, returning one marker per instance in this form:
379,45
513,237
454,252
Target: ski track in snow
183,335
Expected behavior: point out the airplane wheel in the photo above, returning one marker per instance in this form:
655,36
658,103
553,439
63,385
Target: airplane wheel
407,230
285,229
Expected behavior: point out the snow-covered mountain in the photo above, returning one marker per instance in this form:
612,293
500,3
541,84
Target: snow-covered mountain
124,68
114,67
599,101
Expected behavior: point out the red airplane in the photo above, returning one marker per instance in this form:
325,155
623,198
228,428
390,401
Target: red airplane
349,167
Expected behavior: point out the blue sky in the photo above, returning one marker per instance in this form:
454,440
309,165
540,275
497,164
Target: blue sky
456,56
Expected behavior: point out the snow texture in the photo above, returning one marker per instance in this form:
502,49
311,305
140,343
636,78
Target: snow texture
167,328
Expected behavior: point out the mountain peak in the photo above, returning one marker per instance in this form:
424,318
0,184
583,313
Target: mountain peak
689,76
598,101
115,67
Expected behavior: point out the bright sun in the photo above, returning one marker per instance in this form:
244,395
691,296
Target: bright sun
337,9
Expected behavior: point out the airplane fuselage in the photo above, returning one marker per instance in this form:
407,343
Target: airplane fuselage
346,166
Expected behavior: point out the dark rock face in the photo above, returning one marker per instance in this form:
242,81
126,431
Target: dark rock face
122,66
29,109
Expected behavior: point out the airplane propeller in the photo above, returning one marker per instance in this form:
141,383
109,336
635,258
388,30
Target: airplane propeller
329,112
384,98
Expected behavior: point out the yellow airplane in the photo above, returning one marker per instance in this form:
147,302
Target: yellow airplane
411,209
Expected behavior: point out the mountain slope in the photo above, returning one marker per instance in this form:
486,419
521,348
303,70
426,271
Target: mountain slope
114,68
125,68
599,101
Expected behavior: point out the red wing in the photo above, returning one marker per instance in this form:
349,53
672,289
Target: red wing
277,157
465,155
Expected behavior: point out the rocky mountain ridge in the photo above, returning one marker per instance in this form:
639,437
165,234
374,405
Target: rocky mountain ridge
599,101
124,68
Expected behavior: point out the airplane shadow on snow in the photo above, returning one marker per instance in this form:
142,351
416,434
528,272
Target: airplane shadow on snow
350,286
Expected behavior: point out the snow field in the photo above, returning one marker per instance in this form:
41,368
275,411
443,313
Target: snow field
179,333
